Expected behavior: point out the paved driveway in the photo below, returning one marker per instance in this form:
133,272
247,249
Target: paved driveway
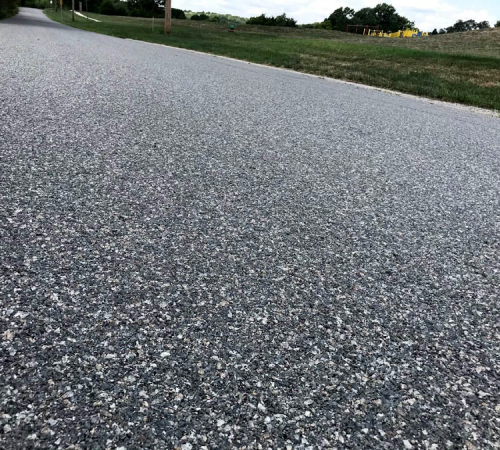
198,252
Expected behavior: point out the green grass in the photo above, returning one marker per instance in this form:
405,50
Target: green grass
464,68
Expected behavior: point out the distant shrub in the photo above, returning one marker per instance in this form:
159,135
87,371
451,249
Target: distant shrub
40,4
110,8
178,14
467,25
278,21
120,9
200,17
497,25
325,25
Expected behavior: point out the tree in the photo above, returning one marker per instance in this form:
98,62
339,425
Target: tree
434,32
199,17
178,14
365,16
467,25
145,8
382,15
442,31
279,21
259,20
284,21
497,25
112,8
8,8
389,20
340,18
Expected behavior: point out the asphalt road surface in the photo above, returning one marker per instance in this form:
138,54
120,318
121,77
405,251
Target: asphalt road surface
202,253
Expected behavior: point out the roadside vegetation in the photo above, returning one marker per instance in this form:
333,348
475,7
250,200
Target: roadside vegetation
457,67
8,8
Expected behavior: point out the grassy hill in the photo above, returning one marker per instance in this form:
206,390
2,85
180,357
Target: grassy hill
460,67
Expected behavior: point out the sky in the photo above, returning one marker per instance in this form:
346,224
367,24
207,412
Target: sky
427,14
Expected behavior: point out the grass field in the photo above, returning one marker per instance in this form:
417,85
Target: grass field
462,68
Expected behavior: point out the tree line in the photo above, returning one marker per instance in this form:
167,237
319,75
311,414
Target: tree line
383,16
465,25
271,21
135,8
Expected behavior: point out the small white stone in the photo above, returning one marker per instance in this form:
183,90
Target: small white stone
407,444
8,335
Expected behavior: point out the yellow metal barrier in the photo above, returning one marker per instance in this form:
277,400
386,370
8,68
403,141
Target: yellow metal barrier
396,34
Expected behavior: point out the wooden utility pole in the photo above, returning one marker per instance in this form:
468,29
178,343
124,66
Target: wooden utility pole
73,10
168,16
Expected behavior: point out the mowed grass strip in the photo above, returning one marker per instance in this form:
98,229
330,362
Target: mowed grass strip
463,78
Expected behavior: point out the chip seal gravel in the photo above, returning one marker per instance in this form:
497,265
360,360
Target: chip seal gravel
198,253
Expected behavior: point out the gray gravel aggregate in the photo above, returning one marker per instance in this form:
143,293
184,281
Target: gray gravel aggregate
203,253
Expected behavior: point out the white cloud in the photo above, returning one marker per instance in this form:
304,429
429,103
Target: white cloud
427,14
430,14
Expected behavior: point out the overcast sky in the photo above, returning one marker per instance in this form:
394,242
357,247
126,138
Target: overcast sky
427,14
